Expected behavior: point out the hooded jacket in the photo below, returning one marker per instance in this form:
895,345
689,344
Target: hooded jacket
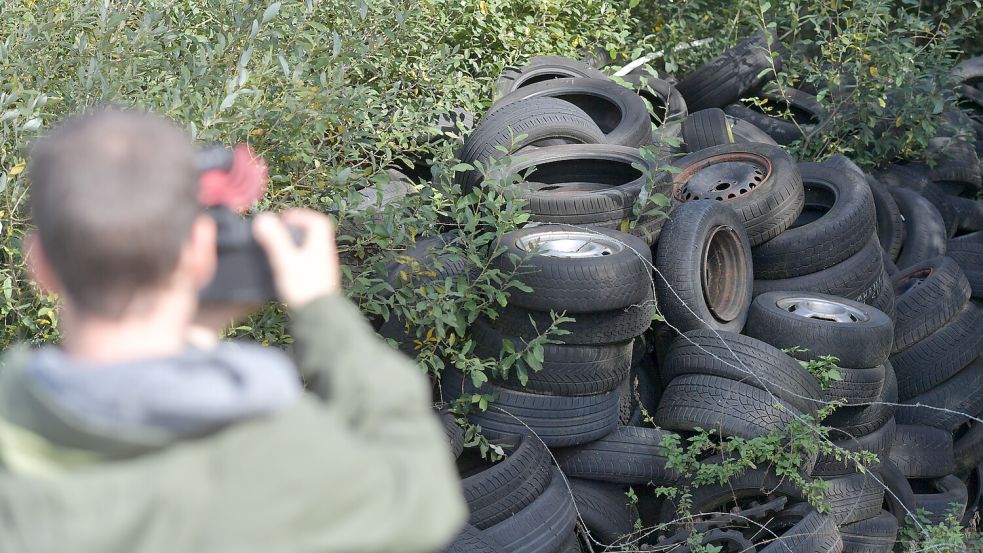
358,463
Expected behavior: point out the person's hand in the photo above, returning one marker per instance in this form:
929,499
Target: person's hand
302,273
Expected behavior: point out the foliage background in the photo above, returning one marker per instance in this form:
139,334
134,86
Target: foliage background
332,92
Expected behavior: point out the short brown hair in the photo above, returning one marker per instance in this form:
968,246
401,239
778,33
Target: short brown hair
113,196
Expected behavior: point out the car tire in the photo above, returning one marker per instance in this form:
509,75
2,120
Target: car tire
706,128
542,68
629,455
927,296
733,74
925,232
923,452
703,266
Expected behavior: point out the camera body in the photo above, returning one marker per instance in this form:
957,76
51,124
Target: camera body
242,274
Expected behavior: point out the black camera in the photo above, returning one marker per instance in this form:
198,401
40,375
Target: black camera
242,275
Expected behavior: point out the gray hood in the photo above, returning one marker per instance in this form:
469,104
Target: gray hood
191,394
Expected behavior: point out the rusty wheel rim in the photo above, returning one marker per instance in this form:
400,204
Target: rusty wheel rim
724,274
723,177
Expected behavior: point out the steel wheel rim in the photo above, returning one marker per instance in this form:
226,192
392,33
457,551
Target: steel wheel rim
569,244
822,309
722,177
723,274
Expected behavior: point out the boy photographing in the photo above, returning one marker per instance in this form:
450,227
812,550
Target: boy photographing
125,438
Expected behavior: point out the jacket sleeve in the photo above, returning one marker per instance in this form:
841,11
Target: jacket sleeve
384,402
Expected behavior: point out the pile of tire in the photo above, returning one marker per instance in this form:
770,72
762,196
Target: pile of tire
763,264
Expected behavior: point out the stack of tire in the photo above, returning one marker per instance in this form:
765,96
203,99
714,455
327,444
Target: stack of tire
793,255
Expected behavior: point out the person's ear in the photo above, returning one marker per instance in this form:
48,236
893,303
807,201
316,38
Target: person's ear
203,250
38,266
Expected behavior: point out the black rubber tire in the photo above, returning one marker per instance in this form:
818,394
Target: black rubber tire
742,359
542,68
473,540
722,405
873,535
572,545
916,177
968,447
668,105
704,268
857,344
923,452
928,295
604,509
543,526
899,499
814,533
556,192
494,492
744,131
542,121
732,75
857,278
969,213
939,356
890,223
589,329
878,442
884,300
925,232
941,497
620,113
577,284
629,455
957,163
454,432
836,222
963,393
768,203
854,497
749,484
783,130
857,386
558,420
567,370
705,128
860,420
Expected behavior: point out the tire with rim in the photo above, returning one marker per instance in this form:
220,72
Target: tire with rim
543,526
704,268
495,490
629,455
923,452
925,232
890,223
733,74
726,406
928,295
750,485
620,113
540,121
939,356
742,359
567,370
558,420
760,182
857,278
836,222
806,113
543,68
582,184
706,128
575,270
859,335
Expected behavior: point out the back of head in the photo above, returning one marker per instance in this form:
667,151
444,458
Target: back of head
114,197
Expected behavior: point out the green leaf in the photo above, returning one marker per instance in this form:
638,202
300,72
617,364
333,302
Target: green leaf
271,12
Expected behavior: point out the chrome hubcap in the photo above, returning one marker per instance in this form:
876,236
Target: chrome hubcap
825,310
570,244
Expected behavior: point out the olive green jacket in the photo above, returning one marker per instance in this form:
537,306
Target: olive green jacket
360,464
